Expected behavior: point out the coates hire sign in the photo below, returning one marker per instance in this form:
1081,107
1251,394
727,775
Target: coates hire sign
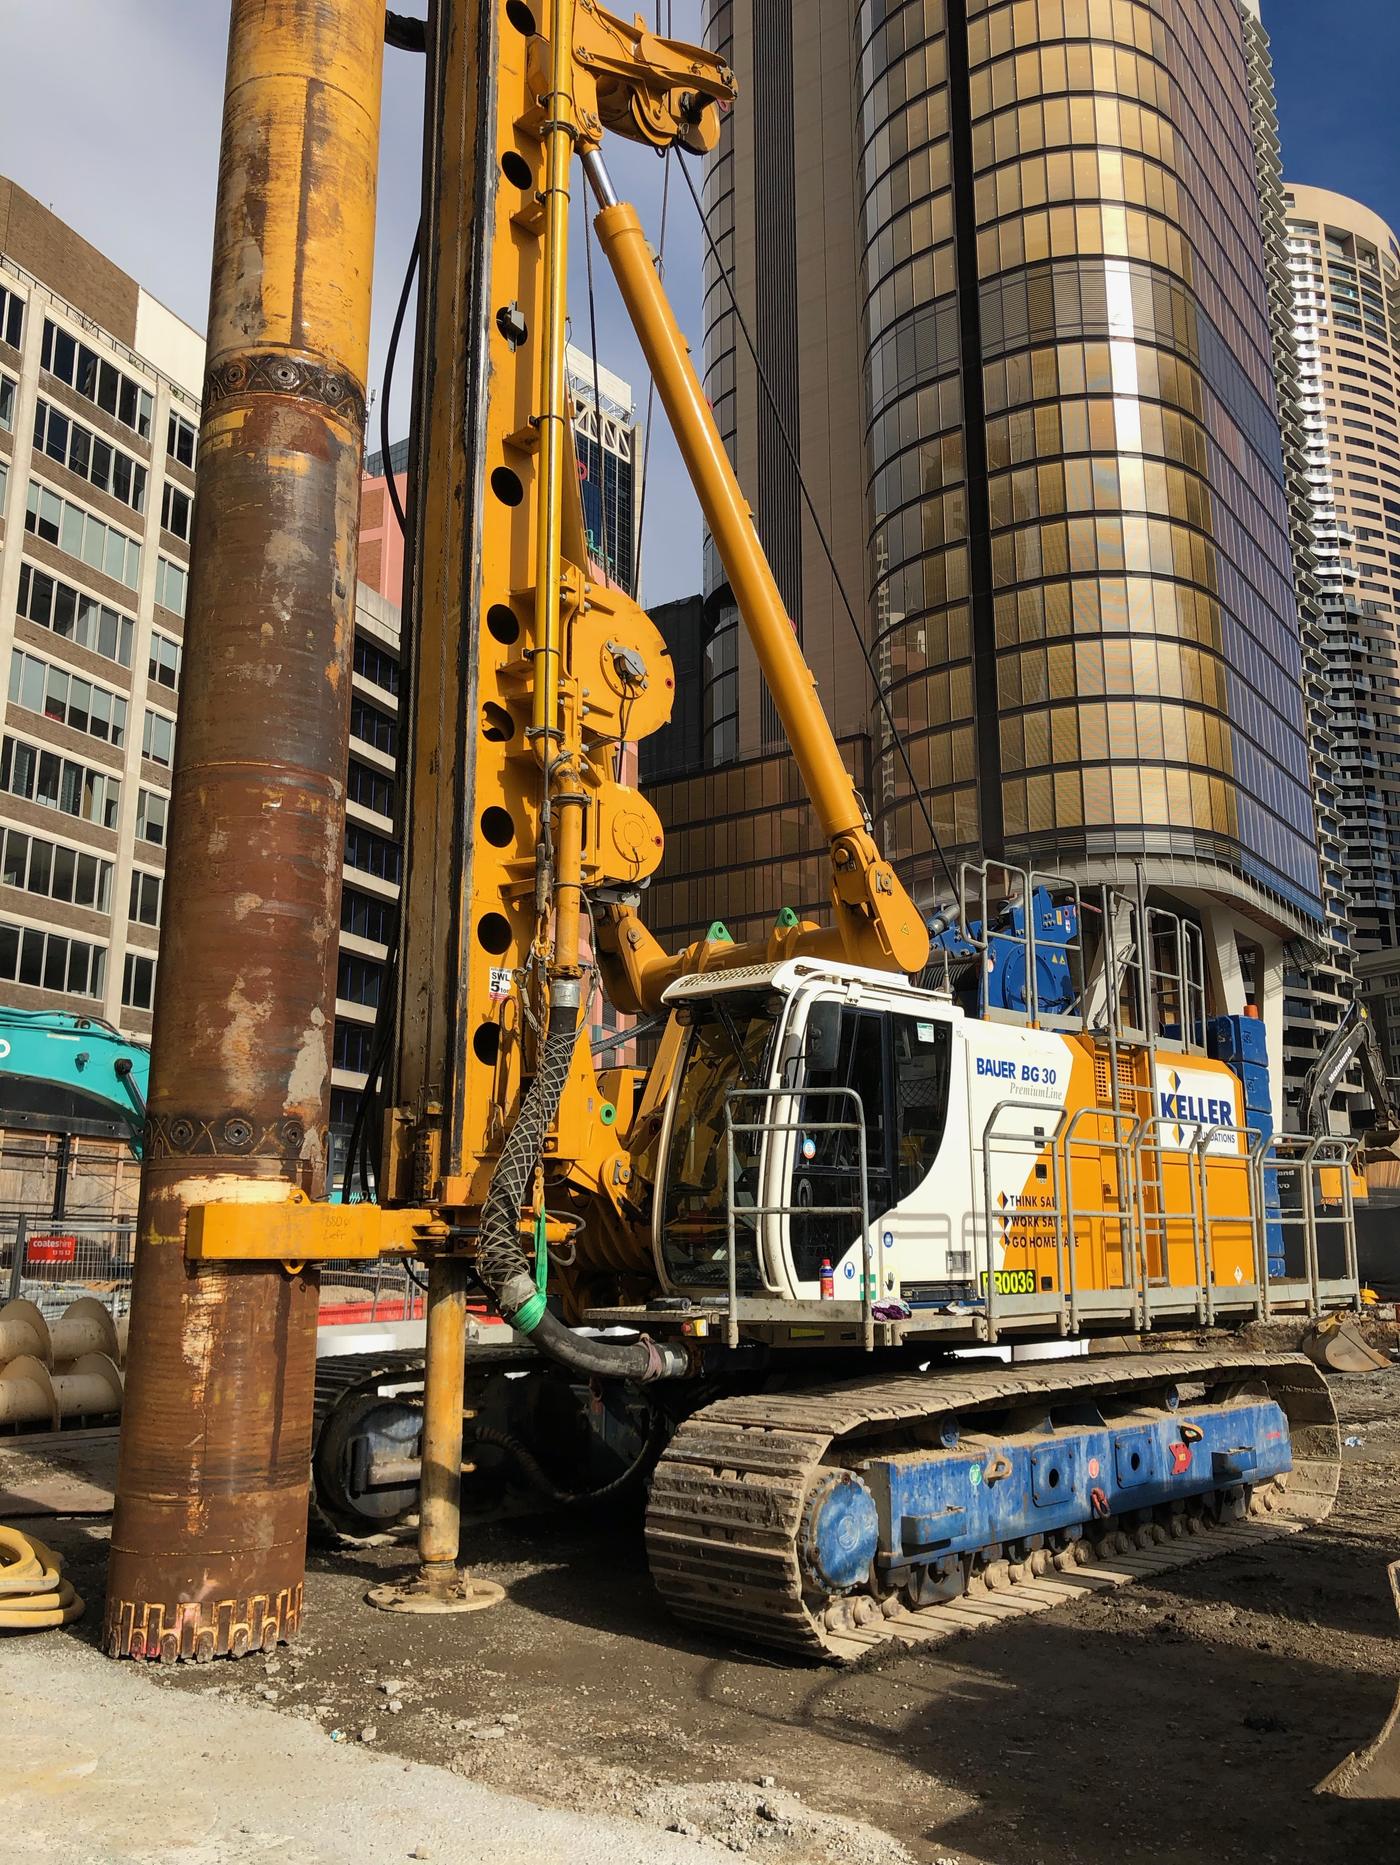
1190,1103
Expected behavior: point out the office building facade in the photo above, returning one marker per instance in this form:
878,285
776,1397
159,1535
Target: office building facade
1031,316
100,391
99,420
1319,979
1344,264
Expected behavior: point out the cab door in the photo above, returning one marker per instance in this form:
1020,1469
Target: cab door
825,1155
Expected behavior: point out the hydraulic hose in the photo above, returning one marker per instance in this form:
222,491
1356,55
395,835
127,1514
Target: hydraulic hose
500,1263
535,1472
33,1592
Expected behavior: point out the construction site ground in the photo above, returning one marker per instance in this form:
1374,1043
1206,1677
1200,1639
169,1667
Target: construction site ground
1184,1718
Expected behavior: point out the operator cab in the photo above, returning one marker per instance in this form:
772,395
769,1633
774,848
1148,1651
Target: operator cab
800,1084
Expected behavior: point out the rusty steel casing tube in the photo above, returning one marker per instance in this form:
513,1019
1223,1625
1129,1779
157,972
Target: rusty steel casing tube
208,1540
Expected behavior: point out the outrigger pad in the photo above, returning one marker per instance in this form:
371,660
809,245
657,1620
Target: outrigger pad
1372,1773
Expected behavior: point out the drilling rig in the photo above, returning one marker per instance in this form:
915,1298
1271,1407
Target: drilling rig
1014,1119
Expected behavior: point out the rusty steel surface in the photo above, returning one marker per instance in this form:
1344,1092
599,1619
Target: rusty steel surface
208,1541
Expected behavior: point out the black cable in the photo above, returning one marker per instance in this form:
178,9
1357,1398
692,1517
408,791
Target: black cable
651,383
807,500
597,399
390,358
363,1130
652,1441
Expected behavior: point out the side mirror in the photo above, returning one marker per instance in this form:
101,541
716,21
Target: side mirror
821,1042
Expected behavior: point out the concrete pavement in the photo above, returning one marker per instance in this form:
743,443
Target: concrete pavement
101,1765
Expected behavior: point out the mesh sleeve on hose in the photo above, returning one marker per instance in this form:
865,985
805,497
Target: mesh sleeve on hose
500,1263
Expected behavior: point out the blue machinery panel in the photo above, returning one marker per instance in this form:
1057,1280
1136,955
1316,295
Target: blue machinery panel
1003,983
931,1505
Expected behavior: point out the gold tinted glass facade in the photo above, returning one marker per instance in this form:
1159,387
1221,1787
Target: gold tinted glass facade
1078,592
1084,596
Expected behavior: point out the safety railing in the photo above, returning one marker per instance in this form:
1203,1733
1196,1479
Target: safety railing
1157,1218
1161,1200
764,1164
989,892
1032,1145
1122,1216
1299,1162
1176,979
1213,1162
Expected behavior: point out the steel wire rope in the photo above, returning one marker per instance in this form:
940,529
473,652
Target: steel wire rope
597,401
358,1159
836,577
651,379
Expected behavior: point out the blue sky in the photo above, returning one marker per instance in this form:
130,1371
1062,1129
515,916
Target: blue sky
116,122
1336,66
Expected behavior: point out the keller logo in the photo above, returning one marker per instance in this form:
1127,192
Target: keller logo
1183,1108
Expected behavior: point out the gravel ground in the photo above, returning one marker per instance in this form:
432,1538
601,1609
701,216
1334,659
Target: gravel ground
1180,1719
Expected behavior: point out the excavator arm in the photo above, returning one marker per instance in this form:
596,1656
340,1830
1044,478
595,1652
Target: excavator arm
1354,1040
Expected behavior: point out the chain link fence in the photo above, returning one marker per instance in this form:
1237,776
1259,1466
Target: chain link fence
52,1261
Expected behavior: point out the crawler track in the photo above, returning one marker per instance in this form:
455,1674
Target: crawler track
728,1496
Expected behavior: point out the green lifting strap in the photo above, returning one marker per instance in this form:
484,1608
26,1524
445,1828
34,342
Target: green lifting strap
529,1315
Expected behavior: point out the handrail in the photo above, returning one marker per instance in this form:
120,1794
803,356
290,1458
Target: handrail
759,1211
988,1136
1127,1216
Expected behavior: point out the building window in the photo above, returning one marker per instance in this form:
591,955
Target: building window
175,511
376,728
138,981
56,872
39,686
371,853
9,388
11,317
354,1043
164,664
75,617
4,481
375,665
145,897
50,961
370,789
89,456
158,737
172,585
55,782
358,981
152,817
366,916
107,388
180,440
100,546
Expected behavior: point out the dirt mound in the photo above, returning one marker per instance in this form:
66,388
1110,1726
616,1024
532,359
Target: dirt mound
764,1819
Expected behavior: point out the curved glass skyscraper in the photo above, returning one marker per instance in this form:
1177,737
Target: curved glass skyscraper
1008,267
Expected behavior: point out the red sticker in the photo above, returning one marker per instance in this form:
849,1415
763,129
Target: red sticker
1181,1459
1093,1466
